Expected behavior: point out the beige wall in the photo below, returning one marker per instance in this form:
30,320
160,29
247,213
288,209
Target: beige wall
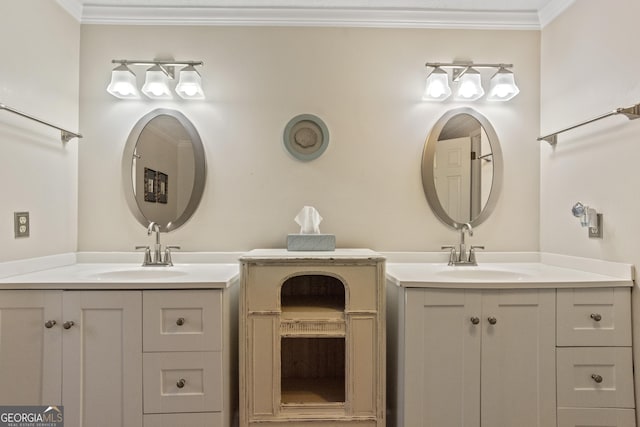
586,71
40,47
366,84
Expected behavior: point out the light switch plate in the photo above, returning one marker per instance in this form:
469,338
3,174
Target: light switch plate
21,224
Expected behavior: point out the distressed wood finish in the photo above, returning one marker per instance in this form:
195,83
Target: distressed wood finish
312,340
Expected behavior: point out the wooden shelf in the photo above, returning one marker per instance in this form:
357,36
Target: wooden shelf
312,390
315,312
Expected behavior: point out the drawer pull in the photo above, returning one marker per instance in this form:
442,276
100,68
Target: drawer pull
492,320
68,325
180,321
475,320
49,324
596,316
181,383
597,378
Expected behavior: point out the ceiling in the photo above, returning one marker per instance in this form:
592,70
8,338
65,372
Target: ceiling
473,14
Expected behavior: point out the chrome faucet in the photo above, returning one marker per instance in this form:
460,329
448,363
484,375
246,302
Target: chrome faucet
459,256
157,259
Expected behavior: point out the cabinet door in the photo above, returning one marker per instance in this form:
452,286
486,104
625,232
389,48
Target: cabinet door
30,348
518,353
102,358
441,360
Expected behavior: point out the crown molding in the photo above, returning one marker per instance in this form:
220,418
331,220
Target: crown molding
311,17
381,17
552,10
73,7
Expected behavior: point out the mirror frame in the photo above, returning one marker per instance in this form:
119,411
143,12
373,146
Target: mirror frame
428,156
200,171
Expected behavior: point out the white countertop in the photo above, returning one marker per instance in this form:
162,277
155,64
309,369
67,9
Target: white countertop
118,271
221,270
496,276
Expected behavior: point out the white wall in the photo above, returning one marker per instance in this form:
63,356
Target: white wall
40,47
366,84
590,66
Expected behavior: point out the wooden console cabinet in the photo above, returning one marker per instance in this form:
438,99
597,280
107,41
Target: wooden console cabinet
312,338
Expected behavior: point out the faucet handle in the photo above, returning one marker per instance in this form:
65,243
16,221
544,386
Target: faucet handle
167,254
452,253
472,253
147,254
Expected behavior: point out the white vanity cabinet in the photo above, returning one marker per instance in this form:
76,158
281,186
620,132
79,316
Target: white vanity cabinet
81,349
187,362
477,358
30,347
594,360
129,354
538,345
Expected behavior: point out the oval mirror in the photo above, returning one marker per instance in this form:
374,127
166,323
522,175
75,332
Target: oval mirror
462,168
163,169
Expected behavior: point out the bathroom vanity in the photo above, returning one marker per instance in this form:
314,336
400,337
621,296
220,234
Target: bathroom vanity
119,344
312,337
503,344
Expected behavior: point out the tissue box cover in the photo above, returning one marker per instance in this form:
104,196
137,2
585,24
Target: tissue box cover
311,242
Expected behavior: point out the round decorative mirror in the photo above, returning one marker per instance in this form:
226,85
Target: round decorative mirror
462,168
163,169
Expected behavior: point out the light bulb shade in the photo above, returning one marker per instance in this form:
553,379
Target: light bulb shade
469,86
123,83
156,84
503,86
437,88
190,84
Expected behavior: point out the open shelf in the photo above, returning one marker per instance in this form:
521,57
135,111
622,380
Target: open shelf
312,390
313,293
313,370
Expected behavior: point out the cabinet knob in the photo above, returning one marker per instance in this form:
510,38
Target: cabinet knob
475,320
180,321
49,324
596,316
181,382
68,325
597,378
492,320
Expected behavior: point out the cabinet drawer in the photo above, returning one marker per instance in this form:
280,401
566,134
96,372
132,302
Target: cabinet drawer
594,317
200,390
182,320
202,419
598,377
596,417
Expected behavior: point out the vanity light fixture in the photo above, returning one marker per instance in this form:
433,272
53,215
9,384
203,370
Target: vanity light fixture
469,85
123,83
157,79
469,82
156,83
190,84
502,86
437,88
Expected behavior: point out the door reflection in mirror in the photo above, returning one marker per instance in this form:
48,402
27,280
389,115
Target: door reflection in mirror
462,168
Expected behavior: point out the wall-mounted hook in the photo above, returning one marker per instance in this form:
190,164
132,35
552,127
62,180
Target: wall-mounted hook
589,218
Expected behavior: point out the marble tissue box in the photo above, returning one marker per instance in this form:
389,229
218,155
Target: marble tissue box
311,242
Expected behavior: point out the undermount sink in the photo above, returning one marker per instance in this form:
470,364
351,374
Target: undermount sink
480,273
140,273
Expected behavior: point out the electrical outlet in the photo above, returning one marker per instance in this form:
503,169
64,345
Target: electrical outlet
21,224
